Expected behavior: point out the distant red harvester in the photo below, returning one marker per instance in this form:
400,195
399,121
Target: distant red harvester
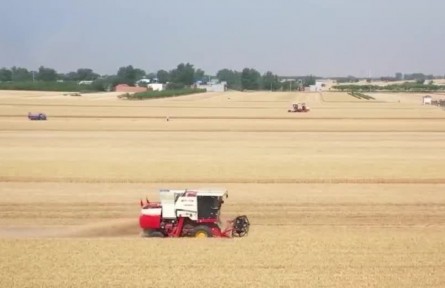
297,108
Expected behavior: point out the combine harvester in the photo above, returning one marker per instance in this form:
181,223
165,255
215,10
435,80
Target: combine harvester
189,213
297,108
36,116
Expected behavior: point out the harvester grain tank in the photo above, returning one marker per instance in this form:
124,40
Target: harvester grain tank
189,213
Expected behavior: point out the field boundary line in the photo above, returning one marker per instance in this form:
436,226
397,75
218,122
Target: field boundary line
140,106
21,179
227,117
232,130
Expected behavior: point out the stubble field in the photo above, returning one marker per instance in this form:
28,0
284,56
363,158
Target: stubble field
350,194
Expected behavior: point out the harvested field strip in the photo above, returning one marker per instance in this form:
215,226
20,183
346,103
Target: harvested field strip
217,130
414,108
138,106
65,210
253,206
229,117
243,101
224,181
298,214
279,107
226,131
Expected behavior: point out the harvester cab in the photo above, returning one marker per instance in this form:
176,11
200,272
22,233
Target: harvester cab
189,213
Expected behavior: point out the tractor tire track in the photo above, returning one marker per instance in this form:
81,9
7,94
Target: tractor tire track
21,179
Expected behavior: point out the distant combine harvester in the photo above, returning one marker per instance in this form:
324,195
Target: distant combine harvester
37,116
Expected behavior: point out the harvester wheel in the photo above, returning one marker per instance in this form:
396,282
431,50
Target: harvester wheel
202,232
156,234
152,234
241,226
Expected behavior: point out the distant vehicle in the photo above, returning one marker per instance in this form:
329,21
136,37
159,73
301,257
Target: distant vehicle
37,116
299,107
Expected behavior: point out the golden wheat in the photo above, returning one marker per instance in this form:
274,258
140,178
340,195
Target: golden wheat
347,195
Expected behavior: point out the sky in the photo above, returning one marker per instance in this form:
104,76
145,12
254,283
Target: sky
288,37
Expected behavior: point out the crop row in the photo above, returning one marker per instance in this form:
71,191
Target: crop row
359,95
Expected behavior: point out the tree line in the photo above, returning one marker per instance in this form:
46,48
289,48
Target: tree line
417,86
183,75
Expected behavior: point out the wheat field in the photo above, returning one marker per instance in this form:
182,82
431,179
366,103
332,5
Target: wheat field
350,194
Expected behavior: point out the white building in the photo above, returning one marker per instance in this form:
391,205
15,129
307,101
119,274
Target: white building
213,86
320,85
143,81
85,82
156,86
427,100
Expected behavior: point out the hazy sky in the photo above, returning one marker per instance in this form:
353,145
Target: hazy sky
288,37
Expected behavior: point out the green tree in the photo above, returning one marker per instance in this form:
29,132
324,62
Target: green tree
183,74
105,83
129,75
250,79
291,85
233,78
70,76
21,74
199,75
163,76
86,74
308,81
47,74
5,75
151,76
270,81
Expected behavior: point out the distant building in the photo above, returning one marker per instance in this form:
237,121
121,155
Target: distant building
150,84
288,80
85,82
212,86
156,86
143,81
320,85
427,100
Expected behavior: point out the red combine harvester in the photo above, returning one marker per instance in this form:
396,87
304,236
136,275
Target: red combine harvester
189,213
297,108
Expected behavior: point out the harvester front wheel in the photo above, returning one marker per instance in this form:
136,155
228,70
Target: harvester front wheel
152,234
156,234
202,232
